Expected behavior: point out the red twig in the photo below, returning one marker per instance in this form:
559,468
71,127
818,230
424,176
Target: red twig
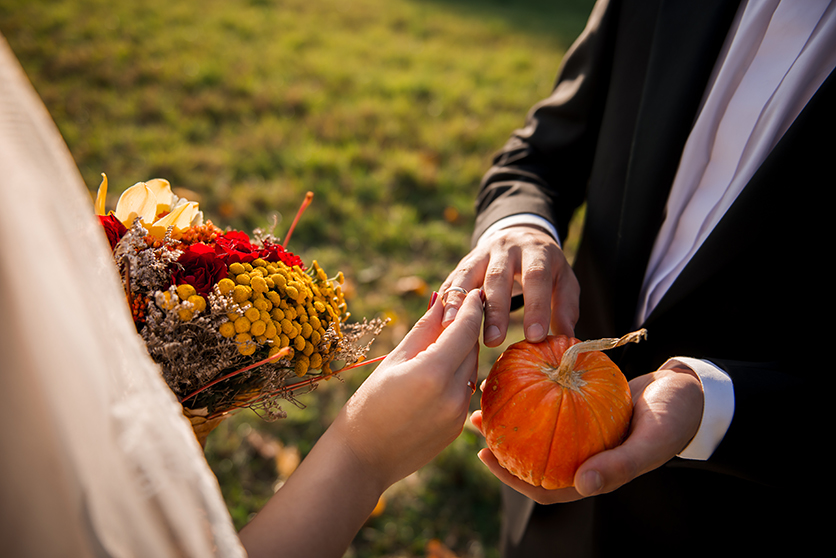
305,203
276,356
312,380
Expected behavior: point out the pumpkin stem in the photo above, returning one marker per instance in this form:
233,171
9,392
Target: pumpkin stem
567,363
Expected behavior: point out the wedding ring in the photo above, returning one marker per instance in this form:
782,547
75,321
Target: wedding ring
453,289
472,385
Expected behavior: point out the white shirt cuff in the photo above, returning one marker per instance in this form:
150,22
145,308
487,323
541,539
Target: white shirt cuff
718,408
520,219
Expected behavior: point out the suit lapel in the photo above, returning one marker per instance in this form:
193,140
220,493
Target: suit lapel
686,41
799,161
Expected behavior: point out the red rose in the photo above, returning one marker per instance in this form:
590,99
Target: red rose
114,229
200,267
235,246
275,253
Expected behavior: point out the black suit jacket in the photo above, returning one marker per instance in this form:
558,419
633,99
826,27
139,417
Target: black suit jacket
611,136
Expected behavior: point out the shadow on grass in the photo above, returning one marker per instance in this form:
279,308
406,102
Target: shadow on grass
563,18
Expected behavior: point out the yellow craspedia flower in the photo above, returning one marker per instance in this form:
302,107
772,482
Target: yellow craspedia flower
166,301
270,330
307,330
242,325
226,285
289,312
198,302
185,290
247,349
274,297
262,304
252,314
241,294
259,285
316,361
258,328
302,365
279,280
236,268
227,329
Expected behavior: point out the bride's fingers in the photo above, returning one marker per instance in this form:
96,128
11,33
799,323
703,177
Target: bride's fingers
428,329
464,331
469,275
425,332
465,375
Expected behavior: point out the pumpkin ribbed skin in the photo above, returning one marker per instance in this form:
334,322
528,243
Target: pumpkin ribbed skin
541,431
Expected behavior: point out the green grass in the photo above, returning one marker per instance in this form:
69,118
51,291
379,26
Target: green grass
388,110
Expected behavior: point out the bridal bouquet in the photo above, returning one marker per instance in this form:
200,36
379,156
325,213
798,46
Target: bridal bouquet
232,321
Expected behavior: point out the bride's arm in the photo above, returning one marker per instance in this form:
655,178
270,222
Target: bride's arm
412,406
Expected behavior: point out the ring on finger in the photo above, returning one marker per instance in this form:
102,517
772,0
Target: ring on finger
452,289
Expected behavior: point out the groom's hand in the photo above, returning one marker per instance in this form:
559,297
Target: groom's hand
667,409
532,257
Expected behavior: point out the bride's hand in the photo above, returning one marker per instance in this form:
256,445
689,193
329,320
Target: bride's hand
404,414
415,403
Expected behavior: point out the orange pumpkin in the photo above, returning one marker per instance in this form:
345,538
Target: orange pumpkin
541,420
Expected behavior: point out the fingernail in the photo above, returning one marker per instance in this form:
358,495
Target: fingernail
590,483
433,298
491,333
449,314
535,332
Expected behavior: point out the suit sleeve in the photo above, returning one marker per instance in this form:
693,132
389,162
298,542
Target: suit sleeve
776,425
544,166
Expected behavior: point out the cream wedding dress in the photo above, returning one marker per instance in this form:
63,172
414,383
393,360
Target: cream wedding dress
96,457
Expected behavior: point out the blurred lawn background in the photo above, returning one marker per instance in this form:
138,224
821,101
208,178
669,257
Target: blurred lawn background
388,110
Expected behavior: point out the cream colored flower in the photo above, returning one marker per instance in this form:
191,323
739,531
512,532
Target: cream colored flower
155,204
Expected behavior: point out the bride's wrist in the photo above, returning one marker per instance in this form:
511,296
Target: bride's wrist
356,458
